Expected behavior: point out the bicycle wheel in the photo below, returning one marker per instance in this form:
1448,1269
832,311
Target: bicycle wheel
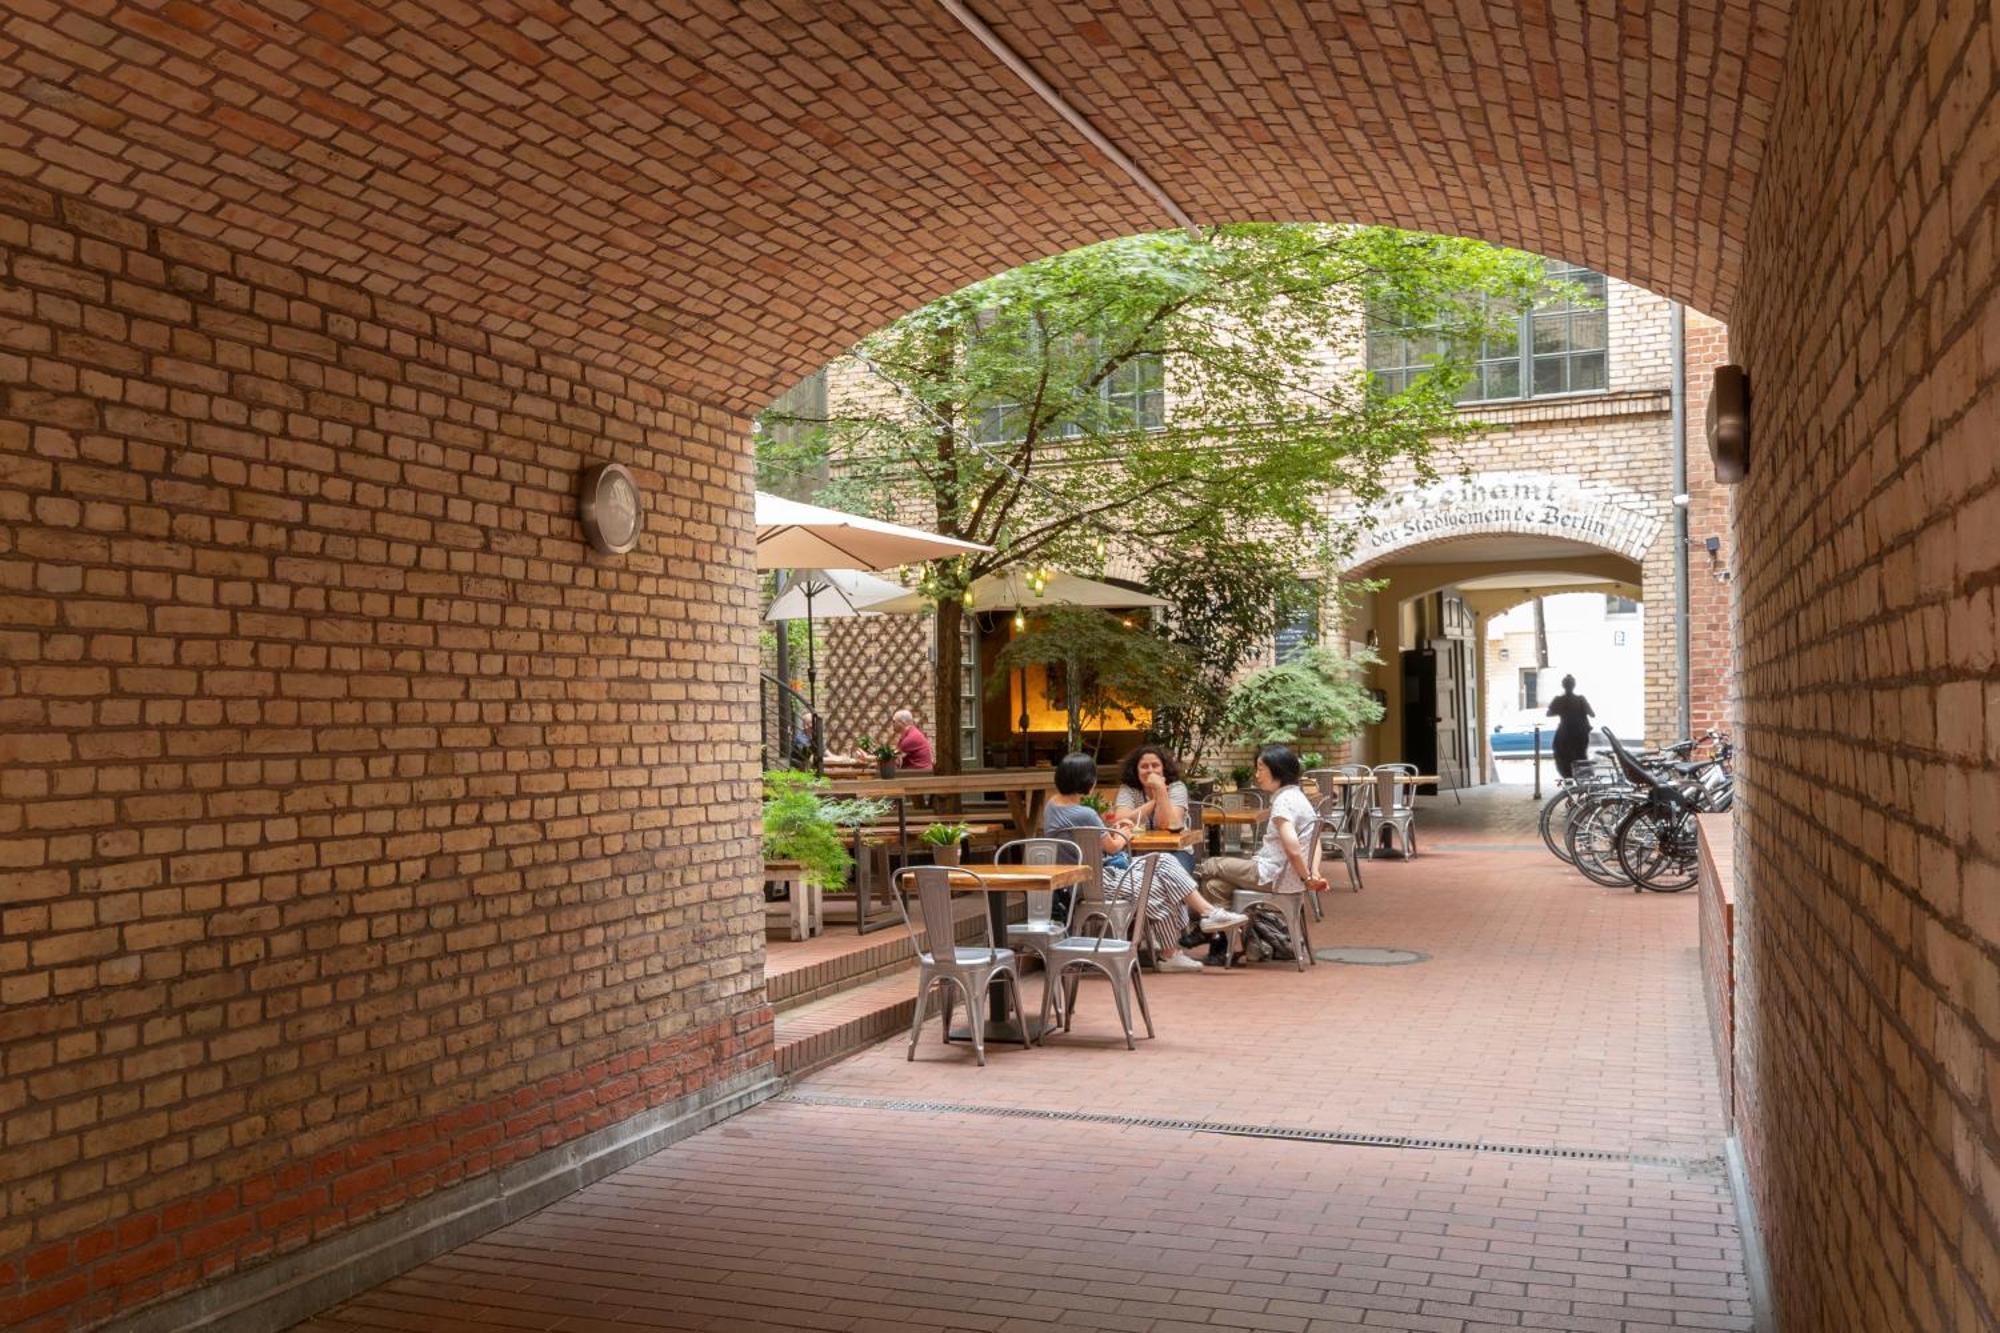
1592,841
1657,849
1556,814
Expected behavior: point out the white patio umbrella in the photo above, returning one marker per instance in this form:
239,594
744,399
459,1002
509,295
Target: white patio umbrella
792,535
841,594
1009,591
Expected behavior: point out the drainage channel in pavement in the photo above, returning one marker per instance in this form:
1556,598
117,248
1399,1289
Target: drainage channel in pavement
1712,1165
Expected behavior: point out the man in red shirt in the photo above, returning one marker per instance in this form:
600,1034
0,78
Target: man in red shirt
913,748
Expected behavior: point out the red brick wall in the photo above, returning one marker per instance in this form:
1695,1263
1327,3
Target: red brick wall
1868,545
1717,890
359,832
1711,599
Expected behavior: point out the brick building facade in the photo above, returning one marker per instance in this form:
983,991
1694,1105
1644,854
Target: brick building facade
1584,470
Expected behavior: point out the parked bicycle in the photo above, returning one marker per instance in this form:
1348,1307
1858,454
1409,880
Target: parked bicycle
1631,822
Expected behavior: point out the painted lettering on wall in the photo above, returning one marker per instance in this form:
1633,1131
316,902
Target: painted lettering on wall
1533,504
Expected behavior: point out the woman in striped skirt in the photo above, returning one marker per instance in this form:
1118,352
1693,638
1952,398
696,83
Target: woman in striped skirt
1173,898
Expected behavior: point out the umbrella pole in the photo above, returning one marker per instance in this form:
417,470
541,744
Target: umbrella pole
812,687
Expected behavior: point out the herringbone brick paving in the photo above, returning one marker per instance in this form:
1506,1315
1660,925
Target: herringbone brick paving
1550,1014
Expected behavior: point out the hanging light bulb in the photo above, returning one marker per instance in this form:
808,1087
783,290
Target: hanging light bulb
1100,548
1020,621
965,598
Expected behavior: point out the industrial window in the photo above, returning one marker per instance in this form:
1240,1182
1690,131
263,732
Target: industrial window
1558,346
1131,397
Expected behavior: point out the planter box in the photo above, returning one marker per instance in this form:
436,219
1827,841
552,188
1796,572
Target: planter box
802,910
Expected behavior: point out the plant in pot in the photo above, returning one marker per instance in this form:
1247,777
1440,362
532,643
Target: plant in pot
803,826
1239,777
1097,803
1312,759
885,756
945,842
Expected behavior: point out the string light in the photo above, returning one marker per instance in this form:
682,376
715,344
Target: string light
1020,621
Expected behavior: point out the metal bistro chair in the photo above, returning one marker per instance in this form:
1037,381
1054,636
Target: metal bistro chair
1286,898
969,968
1089,905
1395,809
1041,931
1243,836
1116,958
1355,802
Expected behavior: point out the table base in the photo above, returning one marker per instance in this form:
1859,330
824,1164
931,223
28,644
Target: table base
1009,1031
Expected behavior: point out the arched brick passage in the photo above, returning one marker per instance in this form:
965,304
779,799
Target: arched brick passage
723,201
358,830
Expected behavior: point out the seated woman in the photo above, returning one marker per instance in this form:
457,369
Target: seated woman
1278,776
1151,795
1173,898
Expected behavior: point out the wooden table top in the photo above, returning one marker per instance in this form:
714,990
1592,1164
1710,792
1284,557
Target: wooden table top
1016,878
1235,816
947,784
1162,840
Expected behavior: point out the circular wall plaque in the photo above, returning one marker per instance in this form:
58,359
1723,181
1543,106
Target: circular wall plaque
609,506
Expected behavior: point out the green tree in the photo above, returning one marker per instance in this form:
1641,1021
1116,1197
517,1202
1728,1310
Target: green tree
1104,666
1025,411
1228,601
1318,695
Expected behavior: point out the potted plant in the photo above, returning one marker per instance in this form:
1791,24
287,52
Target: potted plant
1097,803
1239,777
804,828
945,842
885,756
1312,759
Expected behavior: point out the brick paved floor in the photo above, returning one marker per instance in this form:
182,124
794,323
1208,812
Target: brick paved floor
1551,1014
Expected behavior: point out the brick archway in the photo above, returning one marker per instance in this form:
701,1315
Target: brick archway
357,822
717,208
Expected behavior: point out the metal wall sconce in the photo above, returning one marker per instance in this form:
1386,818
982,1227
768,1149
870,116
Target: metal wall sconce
1729,424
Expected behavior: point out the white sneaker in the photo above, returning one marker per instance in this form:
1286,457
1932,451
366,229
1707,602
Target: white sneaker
1221,919
1180,962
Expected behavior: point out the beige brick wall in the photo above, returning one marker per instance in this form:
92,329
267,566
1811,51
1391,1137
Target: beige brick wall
1868,557
358,829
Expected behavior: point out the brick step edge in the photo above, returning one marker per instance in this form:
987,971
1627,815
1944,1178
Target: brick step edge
891,951
824,1030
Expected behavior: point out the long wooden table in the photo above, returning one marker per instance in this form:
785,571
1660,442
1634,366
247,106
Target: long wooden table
996,882
1026,789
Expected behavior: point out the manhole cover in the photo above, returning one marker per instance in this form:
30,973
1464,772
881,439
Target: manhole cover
1370,957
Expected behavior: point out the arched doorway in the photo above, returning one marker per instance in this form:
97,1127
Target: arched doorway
1455,553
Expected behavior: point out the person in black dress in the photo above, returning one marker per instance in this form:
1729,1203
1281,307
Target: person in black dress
1573,712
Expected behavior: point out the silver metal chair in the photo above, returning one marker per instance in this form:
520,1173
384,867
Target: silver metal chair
1115,958
1041,930
1357,800
968,968
1395,809
1090,904
1340,822
1286,899
1242,836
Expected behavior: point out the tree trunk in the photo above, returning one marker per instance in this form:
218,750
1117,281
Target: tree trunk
1070,686
946,705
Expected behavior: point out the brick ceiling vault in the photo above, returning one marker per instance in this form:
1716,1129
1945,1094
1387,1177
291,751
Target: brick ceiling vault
720,195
